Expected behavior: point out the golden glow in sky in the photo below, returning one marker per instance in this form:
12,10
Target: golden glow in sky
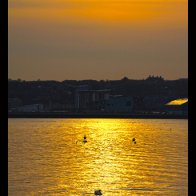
106,11
97,39
178,101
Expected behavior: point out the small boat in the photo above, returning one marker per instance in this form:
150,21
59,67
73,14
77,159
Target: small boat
84,141
98,192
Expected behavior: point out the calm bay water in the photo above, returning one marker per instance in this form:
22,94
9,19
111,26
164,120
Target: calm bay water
48,157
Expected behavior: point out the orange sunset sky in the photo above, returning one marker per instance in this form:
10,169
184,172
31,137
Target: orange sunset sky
97,39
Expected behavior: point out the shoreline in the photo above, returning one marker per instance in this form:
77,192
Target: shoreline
96,115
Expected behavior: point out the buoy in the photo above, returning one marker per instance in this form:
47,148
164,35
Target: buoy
133,139
84,141
98,192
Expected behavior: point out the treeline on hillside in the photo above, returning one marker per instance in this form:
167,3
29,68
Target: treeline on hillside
60,92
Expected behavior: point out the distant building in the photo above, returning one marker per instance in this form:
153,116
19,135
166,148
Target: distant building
92,99
122,104
14,103
178,106
77,94
179,101
155,103
30,108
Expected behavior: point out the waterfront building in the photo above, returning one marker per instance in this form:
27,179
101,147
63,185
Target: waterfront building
30,108
14,103
119,103
92,99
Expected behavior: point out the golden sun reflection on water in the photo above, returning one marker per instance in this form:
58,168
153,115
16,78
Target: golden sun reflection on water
48,157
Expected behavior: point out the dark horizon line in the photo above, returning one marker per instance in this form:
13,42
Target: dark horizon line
19,79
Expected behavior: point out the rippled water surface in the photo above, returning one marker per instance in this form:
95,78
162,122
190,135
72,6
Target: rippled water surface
48,157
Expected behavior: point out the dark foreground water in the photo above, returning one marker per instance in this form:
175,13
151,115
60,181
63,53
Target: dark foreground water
48,157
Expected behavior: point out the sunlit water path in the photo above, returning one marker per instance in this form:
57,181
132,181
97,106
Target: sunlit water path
48,157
